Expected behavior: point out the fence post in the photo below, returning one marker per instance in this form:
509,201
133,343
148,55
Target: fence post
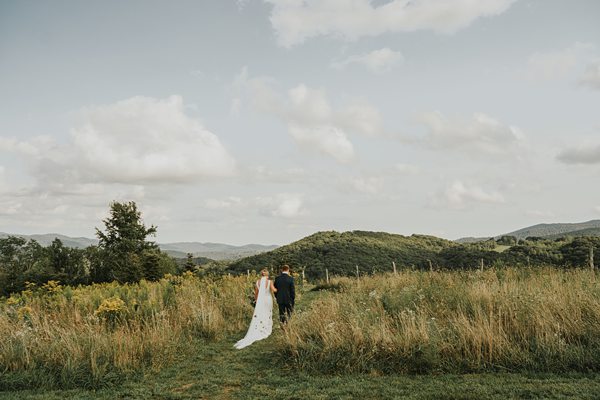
357,273
430,266
481,265
592,258
303,277
394,265
326,275
248,272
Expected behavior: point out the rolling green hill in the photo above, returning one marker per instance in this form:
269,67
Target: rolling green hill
342,252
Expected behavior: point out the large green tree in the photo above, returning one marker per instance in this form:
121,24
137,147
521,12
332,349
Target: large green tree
124,246
67,264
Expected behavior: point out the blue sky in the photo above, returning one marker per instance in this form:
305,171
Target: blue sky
265,121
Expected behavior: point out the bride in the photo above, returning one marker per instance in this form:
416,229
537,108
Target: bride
262,320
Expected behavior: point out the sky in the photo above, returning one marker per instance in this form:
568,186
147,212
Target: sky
264,121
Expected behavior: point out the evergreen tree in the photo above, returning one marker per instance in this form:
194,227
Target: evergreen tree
189,263
151,265
123,244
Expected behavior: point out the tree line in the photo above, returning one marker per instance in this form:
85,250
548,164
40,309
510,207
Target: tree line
124,253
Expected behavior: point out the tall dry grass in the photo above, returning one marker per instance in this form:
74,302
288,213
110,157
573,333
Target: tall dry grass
416,322
90,336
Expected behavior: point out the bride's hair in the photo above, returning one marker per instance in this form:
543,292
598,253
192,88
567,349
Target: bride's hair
264,272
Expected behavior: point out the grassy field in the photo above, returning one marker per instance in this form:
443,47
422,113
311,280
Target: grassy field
206,366
541,320
90,336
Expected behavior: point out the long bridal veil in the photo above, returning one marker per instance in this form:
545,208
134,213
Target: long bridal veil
262,319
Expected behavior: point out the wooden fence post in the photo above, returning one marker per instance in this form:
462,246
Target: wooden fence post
592,258
482,265
357,273
394,265
326,275
430,266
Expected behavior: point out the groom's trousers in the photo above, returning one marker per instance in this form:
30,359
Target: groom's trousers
285,312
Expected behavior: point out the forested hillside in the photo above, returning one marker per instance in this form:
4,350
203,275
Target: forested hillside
340,253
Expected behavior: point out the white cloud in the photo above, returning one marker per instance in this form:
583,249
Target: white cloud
283,205
480,133
591,76
294,21
312,121
138,140
229,202
147,139
67,207
309,106
325,139
366,185
458,195
558,64
377,61
288,206
584,154
360,117
309,118
263,173
407,169
241,4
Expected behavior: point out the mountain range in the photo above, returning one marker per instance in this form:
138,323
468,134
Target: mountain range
215,251
221,251
548,231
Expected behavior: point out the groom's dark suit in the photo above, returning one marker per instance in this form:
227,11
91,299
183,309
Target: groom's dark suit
285,295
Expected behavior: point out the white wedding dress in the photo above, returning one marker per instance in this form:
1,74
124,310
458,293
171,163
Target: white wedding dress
261,325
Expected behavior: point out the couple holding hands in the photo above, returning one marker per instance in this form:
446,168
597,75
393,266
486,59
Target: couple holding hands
284,290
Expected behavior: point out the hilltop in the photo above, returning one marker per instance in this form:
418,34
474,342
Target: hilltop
342,252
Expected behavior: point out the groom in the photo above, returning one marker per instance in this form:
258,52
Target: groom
286,294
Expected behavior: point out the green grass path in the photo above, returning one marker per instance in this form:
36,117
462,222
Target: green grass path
215,370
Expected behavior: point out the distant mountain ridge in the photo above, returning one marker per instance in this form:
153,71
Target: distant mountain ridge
549,231
544,230
47,238
215,251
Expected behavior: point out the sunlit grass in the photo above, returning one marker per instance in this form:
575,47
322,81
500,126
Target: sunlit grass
94,335
416,322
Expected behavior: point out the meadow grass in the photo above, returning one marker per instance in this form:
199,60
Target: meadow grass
92,336
541,320
213,369
516,332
